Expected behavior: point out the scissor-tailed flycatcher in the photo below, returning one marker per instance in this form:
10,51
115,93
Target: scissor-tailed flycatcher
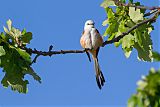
92,40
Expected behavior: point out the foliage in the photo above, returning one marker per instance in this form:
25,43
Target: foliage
148,94
122,18
156,56
16,62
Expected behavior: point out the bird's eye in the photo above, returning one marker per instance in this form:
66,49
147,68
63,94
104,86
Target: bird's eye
87,23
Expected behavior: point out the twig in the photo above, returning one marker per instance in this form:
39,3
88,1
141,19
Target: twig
118,3
151,12
50,53
35,59
131,29
50,48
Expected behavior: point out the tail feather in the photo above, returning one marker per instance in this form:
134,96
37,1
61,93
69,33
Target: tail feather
88,56
99,75
98,82
102,77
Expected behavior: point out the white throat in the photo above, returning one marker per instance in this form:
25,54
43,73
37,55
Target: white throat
89,24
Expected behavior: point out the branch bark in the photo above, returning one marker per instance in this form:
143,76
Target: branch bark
150,13
50,53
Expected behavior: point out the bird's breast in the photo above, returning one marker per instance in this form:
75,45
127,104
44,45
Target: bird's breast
95,38
91,39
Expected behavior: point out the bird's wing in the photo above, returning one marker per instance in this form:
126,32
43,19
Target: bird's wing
100,40
84,44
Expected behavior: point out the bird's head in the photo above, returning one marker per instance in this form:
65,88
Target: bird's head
89,24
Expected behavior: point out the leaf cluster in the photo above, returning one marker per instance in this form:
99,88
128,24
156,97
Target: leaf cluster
16,62
122,18
148,94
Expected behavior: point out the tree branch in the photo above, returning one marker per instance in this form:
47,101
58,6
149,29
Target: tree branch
118,3
153,18
35,59
50,52
150,13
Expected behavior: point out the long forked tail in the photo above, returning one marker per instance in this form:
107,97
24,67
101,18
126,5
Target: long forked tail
88,56
99,75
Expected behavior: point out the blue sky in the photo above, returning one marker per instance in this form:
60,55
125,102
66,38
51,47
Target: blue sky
69,79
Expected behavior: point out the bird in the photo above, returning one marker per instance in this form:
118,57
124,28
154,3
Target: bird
91,40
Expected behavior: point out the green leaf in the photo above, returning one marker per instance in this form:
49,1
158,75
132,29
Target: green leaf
110,13
24,31
112,28
123,1
2,51
128,41
11,31
26,38
144,55
4,37
150,30
141,84
122,28
31,72
24,55
127,44
137,3
113,24
5,30
15,32
107,3
144,42
132,102
13,66
146,102
144,46
105,22
127,52
117,44
13,75
14,80
131,1
130,23
138,38
135,14
156,56
9,24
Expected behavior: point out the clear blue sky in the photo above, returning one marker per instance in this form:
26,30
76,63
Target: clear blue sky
70,79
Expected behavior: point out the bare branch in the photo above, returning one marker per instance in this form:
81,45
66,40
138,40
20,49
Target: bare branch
50,48
50,53
35,59
151,12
